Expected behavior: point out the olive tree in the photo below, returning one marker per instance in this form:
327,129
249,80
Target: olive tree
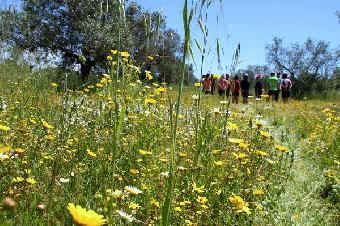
307,63
80,31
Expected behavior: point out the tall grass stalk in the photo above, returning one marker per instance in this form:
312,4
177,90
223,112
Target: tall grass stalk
166,210
115,86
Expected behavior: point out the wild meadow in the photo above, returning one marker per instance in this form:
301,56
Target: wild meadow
122,149
262,163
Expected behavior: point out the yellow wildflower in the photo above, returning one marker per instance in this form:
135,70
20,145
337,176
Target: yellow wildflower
46,125
124,54
5,149
261,153
281,148
235,141
85,218
155,203
232,126
20,150
182,154
197,84
197,189
218,163
160,90
259,124
118,194
148,75
243,145
265,134
134,206
90,153
53,84
178,209
31,180
202,199
188,222
4,128
258,192
150,101
239,205
270,161
240,156
142,152
18,179
330,173
134,172
215,152
99,85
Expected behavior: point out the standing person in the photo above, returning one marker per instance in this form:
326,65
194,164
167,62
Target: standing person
213,84
222,85
245,85
286,85
278,75
229,85
236,89
273,86
258,86
207,84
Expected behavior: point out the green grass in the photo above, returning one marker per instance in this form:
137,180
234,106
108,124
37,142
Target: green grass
86,120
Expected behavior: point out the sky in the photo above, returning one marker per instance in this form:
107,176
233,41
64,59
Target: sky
253,24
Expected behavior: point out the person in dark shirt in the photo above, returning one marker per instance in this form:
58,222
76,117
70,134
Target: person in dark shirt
258,86
245,85
236,89
285,86
229,85
213,84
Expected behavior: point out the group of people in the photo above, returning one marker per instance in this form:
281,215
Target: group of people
272,85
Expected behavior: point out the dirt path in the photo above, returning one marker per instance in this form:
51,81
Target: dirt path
301,204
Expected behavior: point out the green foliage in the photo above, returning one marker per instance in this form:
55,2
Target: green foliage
86,120
83,32
308,64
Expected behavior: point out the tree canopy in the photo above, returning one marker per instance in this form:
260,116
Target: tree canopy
82,32
307,63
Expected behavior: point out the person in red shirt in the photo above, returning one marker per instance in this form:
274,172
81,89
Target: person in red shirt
207,84
236,89
222,85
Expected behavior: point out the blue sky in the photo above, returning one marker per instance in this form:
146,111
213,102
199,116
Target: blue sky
254,23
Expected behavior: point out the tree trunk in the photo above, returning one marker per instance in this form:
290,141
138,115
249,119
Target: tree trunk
85,69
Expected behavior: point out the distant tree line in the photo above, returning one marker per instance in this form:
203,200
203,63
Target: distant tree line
82,33
313,66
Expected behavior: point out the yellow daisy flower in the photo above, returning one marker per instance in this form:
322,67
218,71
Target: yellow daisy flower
85,217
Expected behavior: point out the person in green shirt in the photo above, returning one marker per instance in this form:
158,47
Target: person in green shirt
277,94
273,86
